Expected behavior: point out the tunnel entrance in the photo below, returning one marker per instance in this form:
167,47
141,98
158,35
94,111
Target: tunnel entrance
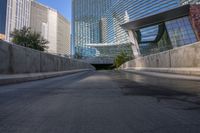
104,66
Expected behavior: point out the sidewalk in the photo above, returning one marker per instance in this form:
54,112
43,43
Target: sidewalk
18,78
171,73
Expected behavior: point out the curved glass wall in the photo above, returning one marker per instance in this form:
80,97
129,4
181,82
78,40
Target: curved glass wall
181,32
167,35
149,34
154,39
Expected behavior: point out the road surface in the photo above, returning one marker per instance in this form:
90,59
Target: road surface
100,102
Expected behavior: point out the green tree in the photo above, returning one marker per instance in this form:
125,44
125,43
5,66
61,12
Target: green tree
121,59
25,37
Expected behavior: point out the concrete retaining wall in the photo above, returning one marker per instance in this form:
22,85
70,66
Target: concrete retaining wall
15,59
182,57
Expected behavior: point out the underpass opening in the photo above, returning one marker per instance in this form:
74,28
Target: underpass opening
103,66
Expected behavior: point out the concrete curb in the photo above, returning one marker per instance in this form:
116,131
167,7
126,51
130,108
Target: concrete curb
163,75
19,78
182,71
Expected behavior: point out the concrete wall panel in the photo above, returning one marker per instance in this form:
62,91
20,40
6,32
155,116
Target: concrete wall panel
16,59
4,58
185,56
163,60
49,63
32,61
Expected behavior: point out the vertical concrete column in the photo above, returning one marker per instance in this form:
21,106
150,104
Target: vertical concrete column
135,45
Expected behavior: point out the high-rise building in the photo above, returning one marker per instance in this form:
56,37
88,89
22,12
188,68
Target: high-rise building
52,26
14,14
125,10
175,28
100,21
185,2
86,19
3,7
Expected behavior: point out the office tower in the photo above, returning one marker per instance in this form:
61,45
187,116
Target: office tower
86,19
126,10
52,26
3,7
100,21
14,14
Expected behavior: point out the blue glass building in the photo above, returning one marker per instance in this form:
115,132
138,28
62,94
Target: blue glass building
128,10
105,27
3,8
165,30
86,18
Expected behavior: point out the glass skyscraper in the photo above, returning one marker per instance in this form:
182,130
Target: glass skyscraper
3,7
86,24
99,21
126,10
94,23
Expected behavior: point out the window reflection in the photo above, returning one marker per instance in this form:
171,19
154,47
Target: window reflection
180,32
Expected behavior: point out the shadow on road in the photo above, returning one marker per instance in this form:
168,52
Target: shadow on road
161,89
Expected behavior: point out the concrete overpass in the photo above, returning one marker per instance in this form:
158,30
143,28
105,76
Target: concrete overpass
100,62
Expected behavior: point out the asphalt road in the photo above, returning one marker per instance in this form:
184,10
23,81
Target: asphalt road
100,102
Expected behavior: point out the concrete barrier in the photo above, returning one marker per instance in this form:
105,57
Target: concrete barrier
16,59
182,57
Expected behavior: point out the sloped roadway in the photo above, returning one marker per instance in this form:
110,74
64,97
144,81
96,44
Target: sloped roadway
101,102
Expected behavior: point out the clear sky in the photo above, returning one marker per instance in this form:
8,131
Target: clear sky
63,6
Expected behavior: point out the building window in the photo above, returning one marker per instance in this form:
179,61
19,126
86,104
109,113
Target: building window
181,32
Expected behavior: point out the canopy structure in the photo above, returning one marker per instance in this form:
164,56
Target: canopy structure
111,49
157,18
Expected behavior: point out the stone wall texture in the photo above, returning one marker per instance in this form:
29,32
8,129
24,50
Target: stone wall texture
182,57
15,59
194,15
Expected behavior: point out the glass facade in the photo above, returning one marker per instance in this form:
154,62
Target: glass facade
3,7
93,25
169,34
154,39
129,10
86,23
125,10
181,32
99,21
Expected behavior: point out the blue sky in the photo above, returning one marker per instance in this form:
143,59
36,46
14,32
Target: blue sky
63,6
